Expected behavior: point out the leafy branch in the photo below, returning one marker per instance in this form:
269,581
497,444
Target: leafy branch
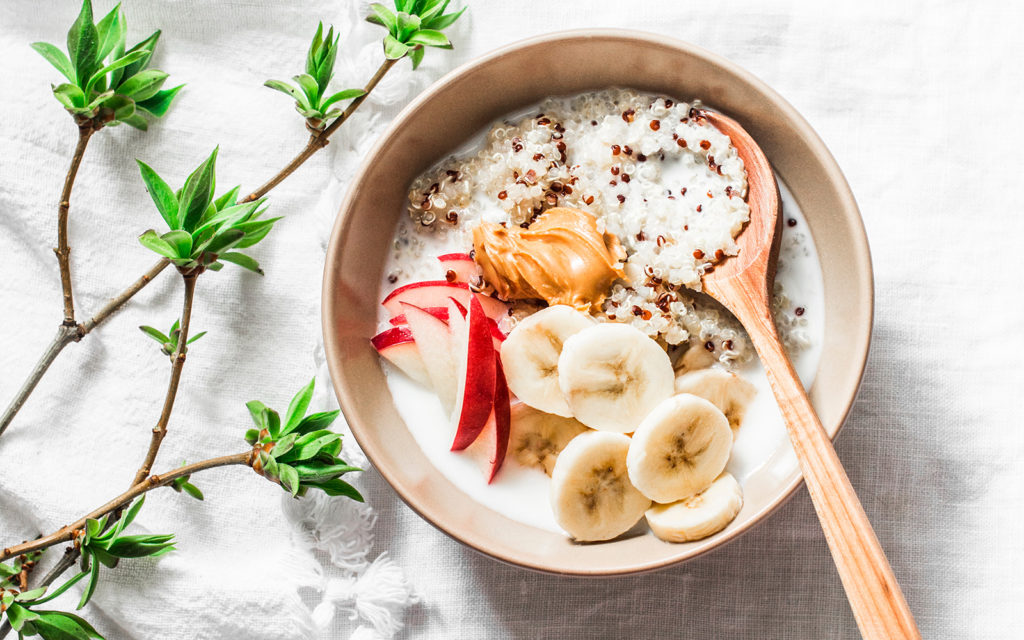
299,454
320,59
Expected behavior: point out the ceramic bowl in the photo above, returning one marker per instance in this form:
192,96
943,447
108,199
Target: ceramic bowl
469,99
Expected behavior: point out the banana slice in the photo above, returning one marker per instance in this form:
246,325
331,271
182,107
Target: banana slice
727,391
530,356
679,449
613,375
591,495
698,516
538,437
695,357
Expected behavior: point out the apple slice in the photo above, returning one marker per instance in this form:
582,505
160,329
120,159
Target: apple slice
496,333
475,397
434,343
435,293
492,444
459,267
438,312
398,347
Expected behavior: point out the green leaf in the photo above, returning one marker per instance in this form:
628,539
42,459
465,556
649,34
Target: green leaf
180,240
306,449
430,38
344,94
111,31
70,96
273,424
155,243
318,421
222,241
143,85
148,45
252,436
155,334
242,260
258,411
192,490
141,546
284,87
297,407
318,472
6,570
160,102
407,25
383,16
289,478
196,337
57,58
393,49
18,615
56,593
197,193
122,107
336,487
29,596
431,10
416,56
309,87
443,22
60,625
314,49
97,99
229,198
161,193
137,121
116,64
283,445
83,43
255,231
90,586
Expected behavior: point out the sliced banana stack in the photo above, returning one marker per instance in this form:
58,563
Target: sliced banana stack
538,437
612,375
591,495
727,391
698,516
679,449
530,354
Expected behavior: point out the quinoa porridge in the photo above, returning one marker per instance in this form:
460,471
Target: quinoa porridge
608,205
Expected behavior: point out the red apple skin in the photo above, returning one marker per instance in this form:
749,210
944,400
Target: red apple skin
461,266
398,347
475,397
502,418
435,293
390,337
441,313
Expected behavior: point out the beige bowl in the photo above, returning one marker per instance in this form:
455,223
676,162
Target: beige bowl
467,100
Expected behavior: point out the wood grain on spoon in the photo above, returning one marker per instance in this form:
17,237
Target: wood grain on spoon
743,284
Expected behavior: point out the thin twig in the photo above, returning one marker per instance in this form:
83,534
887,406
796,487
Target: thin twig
65,336
67,533
63,250
178,362
68,334
318,141
120,299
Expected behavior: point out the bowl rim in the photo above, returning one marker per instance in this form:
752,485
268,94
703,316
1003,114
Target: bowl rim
859,248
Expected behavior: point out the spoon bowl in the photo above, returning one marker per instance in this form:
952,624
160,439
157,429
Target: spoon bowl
743,284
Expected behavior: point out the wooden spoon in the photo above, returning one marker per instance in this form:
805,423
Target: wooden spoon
743,284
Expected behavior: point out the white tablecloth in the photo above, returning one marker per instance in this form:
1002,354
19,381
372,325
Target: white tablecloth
920,103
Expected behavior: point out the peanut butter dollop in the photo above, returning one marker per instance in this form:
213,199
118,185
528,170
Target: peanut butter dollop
562,258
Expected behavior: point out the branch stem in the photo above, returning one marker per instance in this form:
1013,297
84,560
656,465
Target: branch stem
318,140
177,363
68,532
66,335
63,250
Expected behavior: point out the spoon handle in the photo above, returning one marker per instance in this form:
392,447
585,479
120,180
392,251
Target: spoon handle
875,597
